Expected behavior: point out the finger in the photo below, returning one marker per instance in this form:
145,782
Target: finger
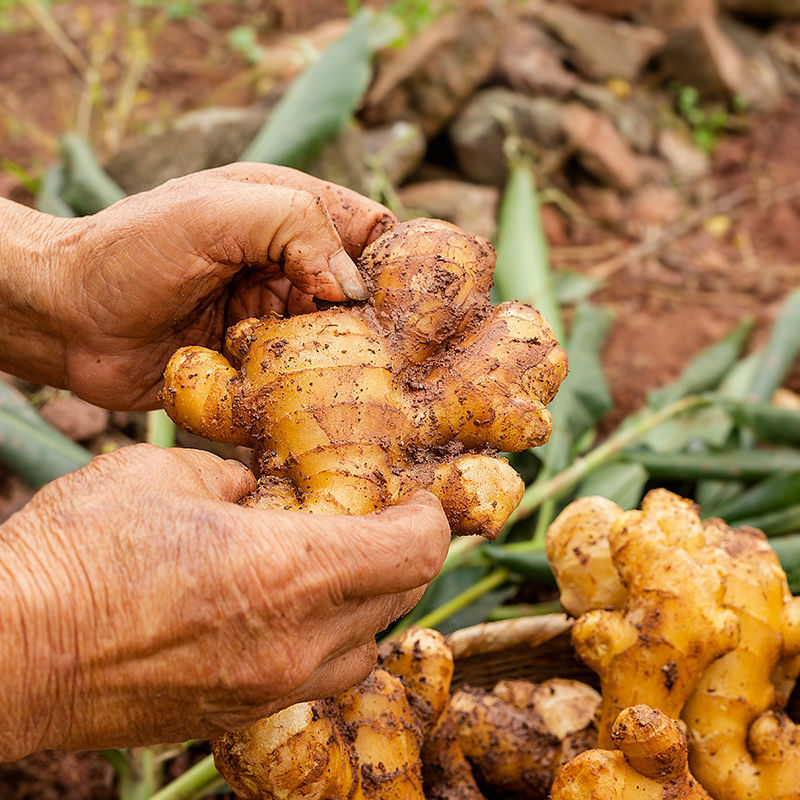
365,617
263,225
257,295
225,479
338,673
300,303
330,677
358,219
394,550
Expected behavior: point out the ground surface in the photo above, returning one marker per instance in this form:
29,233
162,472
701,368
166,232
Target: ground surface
692,290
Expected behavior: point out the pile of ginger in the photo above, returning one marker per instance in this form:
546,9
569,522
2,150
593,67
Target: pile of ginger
689,625
695,639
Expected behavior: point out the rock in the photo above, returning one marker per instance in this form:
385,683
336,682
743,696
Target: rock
600,149
687,162
75,418
702,56
674,15
429,80
600,48
601,204
763,83
651,208
613,8
764,9
396,149
471,207
633,122
342,161
530,61
478,133
198,140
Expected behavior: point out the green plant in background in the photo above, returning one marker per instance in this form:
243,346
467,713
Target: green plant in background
244,40
707,124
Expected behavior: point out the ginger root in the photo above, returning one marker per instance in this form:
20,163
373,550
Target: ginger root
741,745
391,737
707,623
672,623
351,407
650,764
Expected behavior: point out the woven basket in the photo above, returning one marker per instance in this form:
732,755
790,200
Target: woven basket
533,648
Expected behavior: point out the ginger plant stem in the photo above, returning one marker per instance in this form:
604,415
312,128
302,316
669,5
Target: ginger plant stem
553,489
189,785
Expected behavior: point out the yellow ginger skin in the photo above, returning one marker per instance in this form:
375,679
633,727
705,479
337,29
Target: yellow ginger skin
650,764
349,408
741,747
366,743
671,626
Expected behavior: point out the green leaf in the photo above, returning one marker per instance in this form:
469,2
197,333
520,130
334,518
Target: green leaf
729,465
37,452
49,198
769,423
784,520
87,186
780,353
523,266
571,287
318,104
530,564
706,369
774,492
620,481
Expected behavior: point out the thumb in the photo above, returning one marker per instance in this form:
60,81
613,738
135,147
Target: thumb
264,225
225,479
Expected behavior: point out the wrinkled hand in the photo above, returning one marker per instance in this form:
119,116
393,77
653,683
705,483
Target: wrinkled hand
178,264
138,604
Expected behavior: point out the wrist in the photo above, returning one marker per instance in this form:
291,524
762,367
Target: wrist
35,293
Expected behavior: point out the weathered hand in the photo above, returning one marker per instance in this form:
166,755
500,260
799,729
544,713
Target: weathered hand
100,303
180,263
139,604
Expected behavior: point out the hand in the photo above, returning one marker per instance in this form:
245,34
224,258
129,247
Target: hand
138,604
176,266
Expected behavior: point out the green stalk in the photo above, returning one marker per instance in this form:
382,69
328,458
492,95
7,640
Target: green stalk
192,783
525,610
730,465
160,429
556,486
439,615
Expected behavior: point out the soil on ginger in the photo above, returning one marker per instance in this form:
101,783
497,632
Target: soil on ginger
667,307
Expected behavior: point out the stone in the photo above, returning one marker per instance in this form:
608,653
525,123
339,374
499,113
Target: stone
471,207
479,132
674,15
613,8
601,204
429,80
687,163
600,48
702,56
600,148
763,82
764,9
395,150
199,140
532,62
651,208
342,161
75,418
633,121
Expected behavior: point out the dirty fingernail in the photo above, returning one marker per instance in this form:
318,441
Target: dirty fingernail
347,276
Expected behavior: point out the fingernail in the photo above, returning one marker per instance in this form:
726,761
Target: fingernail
348,276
